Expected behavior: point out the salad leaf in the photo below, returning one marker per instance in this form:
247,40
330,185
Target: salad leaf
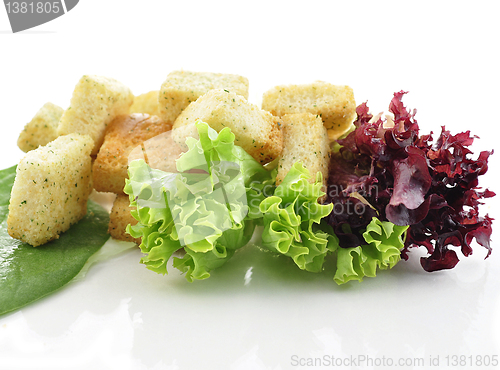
294,225
407,179
382,246
28,274
292,218
206,210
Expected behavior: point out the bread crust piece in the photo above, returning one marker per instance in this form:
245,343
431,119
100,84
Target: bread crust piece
42,129
335,104
120,217
96,101
305,139
256,131
183,87
146,103
122,136
51,189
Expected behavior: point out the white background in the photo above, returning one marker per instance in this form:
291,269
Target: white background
258,314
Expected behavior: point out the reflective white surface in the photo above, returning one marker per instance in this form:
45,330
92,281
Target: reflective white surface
259,311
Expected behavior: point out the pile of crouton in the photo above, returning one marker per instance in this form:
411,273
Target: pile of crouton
88,146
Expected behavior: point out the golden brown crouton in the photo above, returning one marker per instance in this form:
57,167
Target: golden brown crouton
146,103
160,152
51,189
123,135
305,139
120,217
183,87
95,103
334,104
256,131
42,129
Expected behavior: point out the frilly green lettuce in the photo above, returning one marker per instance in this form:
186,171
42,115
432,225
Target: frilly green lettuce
383,250
292,220
211,207
207,209
294,226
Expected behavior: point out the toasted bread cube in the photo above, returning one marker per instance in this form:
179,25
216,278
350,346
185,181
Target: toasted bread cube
305,139
120,217
160,152
256,131
146,103
95,103
123,135
42,129
183,87
51,189
334,104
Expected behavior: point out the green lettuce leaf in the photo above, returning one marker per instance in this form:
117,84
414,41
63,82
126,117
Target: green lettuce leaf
292,220
28,274
207,210
384,243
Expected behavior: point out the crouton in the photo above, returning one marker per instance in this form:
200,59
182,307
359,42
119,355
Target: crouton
256,131
96,101
160,152
120,217
334,104
305,139
146,103
42,129
123,135
51,189
183,87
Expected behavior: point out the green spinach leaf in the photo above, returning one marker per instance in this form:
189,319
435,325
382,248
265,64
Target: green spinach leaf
27,273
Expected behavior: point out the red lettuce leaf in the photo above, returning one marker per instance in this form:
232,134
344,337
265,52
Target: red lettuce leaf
408,179
408,204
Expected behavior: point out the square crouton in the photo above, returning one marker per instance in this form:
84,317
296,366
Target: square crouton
96,101
123,135
256,131
120,217
146,103
51,189
305,139
334,104
160,152
183,87
42,129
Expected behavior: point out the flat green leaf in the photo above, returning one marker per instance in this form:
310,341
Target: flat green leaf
27,273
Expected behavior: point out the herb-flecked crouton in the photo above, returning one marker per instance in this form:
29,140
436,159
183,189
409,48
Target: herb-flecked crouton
305,139
146,103
123,135
183,87
120,217
51,188
42,129
333,103
96,101
258,132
